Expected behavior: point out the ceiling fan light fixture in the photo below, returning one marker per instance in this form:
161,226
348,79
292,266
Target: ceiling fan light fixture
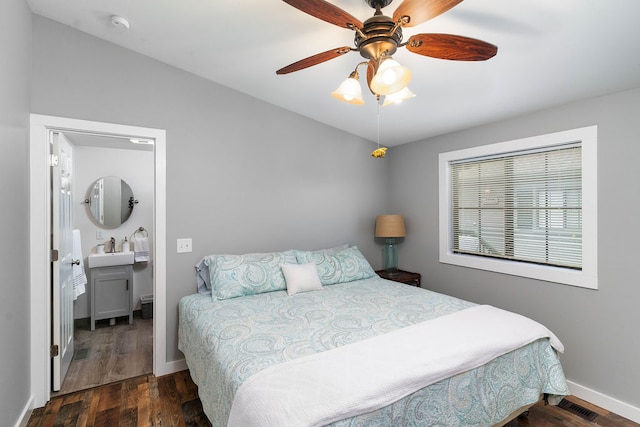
398,97
349,90
391,77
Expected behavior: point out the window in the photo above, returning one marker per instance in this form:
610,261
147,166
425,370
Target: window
526,207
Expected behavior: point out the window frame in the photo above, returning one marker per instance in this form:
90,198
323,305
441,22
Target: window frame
588,276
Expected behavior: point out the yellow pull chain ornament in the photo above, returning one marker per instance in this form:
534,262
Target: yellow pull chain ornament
379,152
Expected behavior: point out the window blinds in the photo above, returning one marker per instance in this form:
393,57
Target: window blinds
523,206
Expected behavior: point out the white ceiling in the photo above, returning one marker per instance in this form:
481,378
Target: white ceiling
550,52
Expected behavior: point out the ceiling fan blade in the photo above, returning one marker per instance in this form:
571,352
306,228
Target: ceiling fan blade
327,12
314,60
422,10
447,46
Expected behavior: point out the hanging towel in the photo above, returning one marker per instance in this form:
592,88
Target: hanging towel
79,276
141,248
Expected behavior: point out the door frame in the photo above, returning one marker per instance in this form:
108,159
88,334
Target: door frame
39,243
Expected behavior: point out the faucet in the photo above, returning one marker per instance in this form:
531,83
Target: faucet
113,245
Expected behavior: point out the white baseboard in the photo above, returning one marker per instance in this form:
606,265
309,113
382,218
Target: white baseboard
23,419
172,367
609,403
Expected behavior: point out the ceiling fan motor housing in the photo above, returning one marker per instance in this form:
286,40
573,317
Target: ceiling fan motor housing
377,38
378,3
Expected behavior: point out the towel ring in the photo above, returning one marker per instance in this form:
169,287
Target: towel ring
140,230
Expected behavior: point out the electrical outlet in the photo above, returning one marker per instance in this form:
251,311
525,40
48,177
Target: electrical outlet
184,245
99,234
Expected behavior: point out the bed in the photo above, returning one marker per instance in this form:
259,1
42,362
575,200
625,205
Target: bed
317,338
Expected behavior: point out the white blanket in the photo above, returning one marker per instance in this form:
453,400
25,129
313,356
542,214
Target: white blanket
365,376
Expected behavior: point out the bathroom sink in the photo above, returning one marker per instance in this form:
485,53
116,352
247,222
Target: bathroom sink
109,259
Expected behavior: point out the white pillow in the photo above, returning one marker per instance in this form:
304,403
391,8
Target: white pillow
301,277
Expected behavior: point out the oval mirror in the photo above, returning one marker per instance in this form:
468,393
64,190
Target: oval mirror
110,201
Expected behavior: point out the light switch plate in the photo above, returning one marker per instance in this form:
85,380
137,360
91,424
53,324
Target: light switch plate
99,234
184,245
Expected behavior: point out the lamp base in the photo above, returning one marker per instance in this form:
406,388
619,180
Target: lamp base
390,257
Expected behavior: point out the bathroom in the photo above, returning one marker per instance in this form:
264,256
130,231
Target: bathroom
114,160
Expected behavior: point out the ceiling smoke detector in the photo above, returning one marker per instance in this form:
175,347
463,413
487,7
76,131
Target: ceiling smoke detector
120,23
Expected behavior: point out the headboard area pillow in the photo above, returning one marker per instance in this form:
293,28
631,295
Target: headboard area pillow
203,283
346,265
238,275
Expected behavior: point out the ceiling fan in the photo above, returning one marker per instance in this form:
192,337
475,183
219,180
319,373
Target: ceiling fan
379,37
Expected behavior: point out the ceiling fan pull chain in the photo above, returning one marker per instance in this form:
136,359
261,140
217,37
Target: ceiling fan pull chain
378,107
379,152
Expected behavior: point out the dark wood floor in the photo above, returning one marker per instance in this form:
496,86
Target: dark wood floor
172,400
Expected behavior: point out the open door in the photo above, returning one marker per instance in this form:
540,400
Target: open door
62,264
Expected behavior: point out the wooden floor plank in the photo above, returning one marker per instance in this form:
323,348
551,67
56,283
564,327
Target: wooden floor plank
172,401
51,412
93,407
129,403
194,415
36,417
86,397
69,414
110,396
107,418
187,390
144,404
171,408
155,412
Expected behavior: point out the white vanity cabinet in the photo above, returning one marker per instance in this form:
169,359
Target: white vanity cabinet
111,293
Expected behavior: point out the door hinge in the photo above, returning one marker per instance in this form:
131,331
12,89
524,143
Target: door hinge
54,350
54,255
53,160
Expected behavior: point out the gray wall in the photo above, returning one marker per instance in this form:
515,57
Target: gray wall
599,328
242,175
15,71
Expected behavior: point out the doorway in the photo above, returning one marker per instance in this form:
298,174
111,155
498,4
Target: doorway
40,231
112,198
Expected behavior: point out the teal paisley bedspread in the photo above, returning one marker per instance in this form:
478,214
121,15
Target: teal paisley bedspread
225,342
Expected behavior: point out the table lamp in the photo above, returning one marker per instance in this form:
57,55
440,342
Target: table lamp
390,227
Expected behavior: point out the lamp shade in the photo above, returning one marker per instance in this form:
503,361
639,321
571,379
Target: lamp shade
398,97
390,226
391,77
349,91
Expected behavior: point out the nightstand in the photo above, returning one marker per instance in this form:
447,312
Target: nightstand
406,277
